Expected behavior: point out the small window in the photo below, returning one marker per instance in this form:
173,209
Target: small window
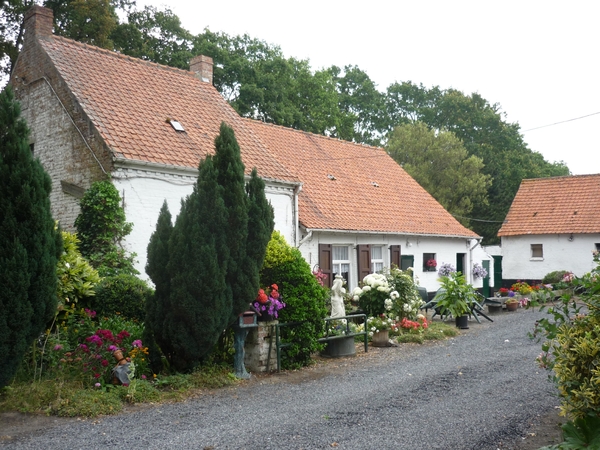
376,259
597,244
341,262
32,148
429,262
537,251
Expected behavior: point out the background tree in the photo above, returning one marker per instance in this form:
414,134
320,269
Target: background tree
29,244
440,164
101,228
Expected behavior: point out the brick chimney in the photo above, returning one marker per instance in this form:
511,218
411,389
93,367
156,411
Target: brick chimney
38,22
203,67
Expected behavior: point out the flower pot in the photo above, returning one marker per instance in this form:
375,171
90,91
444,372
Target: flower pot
462,322
431,269
494,308
340,346
503,294
381,339
265,317
512,306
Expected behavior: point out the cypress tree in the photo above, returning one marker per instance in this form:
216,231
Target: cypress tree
29,243
228,162
199,301
158,304
260,227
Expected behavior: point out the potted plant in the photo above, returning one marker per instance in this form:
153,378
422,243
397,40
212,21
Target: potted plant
379,330
511,304
503,292
455,297
431,264
268,303
339,340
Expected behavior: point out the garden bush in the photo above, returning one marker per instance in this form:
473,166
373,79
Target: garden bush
555,277
122,294
571,347
304,297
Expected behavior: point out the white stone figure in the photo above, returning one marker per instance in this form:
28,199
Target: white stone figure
337,297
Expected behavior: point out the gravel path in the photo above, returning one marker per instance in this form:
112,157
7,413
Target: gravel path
479,390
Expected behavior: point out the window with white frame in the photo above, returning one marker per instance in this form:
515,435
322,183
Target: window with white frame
376,258
537,251
341,262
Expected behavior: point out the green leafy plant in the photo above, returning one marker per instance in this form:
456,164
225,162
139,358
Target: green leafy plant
122,294
305,301
555,277
583,432
571,339
455,295
101,228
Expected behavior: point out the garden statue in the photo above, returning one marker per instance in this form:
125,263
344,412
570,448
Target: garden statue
337,297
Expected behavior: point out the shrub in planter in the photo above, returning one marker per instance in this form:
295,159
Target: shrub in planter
122,294
305,300
555,277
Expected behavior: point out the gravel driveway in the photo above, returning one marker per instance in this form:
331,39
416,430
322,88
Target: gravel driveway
479,390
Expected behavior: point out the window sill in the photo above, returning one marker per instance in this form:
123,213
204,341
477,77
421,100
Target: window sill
536,259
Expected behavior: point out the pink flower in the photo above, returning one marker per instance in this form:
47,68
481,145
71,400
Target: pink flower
58,347
137,343
104,363
97,385
143,377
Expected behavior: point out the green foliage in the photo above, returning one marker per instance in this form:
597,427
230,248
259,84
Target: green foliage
439,162
29,244
241,273
200,300
392,292
455,295
76,277
122,294
571,345
555,277
101,228
304,297
583,432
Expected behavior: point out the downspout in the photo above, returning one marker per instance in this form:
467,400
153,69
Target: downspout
470,274
297,190
306,238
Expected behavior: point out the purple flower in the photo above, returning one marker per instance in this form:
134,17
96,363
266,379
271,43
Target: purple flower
511,293
112,348
137,343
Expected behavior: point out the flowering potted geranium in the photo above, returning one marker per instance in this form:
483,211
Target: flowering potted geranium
268,303
503,292
431,264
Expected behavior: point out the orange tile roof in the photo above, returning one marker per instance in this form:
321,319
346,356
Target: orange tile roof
347,186
555,205
129,101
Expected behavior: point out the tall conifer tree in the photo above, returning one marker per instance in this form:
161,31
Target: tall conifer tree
29,243
199,301
228,162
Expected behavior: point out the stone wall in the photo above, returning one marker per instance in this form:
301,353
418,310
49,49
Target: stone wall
257,348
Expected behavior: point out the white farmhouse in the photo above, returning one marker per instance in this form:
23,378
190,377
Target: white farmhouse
96,114
553,224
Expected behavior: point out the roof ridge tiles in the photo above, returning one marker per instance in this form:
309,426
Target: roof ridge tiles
117,54
310,133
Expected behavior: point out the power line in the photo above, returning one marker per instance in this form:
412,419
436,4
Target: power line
563,121
478,220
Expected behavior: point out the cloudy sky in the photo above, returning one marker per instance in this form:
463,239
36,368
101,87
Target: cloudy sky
538,59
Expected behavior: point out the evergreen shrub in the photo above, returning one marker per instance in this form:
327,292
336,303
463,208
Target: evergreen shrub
122,294
555,277
305,299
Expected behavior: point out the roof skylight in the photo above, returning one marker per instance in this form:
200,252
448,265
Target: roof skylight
176,125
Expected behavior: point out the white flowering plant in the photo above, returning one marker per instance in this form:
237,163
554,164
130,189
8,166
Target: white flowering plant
380,323
392,292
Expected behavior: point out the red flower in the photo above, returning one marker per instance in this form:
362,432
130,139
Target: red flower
262,297
274,286
104,363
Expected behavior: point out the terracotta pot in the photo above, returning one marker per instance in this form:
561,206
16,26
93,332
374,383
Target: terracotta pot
118,354
381,339
512,306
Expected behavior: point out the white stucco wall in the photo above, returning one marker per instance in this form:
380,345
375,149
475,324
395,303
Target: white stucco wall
445,250
559,252
144,191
